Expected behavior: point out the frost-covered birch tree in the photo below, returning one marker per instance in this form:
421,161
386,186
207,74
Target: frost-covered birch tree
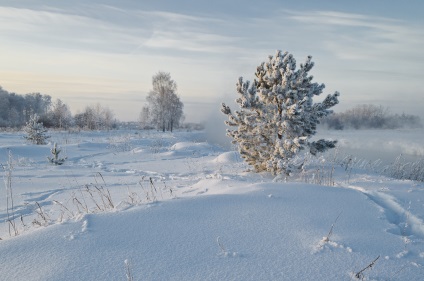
95,117
175,112
165,107
60,115
144,117
278,116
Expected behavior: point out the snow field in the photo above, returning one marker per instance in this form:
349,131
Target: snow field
185,209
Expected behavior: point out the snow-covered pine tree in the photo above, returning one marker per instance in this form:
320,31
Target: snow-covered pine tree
278,116
55,159
36,133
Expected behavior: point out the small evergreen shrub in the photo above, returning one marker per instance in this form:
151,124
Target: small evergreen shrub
55,159
35,131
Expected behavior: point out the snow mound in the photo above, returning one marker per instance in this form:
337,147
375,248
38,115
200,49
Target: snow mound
228,157
217,237
192,149
186,146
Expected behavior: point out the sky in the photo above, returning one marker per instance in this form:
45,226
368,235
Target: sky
88,52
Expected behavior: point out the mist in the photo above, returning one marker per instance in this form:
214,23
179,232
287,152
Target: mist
215,125
384,145
373,145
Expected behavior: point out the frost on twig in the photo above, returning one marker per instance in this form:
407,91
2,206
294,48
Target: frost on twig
326,238
360,274
224,251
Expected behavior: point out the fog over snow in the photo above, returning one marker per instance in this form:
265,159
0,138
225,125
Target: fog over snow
161,206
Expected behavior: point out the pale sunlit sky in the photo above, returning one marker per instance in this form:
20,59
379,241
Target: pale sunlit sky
87,52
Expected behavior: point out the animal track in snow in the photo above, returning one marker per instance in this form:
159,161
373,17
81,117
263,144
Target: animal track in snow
407,223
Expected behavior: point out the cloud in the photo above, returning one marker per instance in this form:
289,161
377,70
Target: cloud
104,28
192,41
341,19
65,30
354,36
93,48
176,18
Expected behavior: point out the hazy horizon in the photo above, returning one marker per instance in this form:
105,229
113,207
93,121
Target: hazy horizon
105,52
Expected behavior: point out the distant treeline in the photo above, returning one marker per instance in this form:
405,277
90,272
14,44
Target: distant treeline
370,117
16,110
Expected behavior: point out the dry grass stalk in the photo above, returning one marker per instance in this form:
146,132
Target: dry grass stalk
128,271
63,207
41,213
221,246
360,274
10,208
327,238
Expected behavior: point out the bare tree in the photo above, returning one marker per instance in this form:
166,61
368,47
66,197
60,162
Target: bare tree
108,118
86,119
95,118
175,112
36,103
60,115
370,116
165,107
144,117
16,110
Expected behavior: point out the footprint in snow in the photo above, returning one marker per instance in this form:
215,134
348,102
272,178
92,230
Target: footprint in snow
75,234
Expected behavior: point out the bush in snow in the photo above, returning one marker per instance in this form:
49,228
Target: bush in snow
370,116
55,159
277,116
36,133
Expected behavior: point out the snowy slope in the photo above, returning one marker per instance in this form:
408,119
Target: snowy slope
184,209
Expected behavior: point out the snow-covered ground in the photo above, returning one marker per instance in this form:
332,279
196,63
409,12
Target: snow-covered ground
175,207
